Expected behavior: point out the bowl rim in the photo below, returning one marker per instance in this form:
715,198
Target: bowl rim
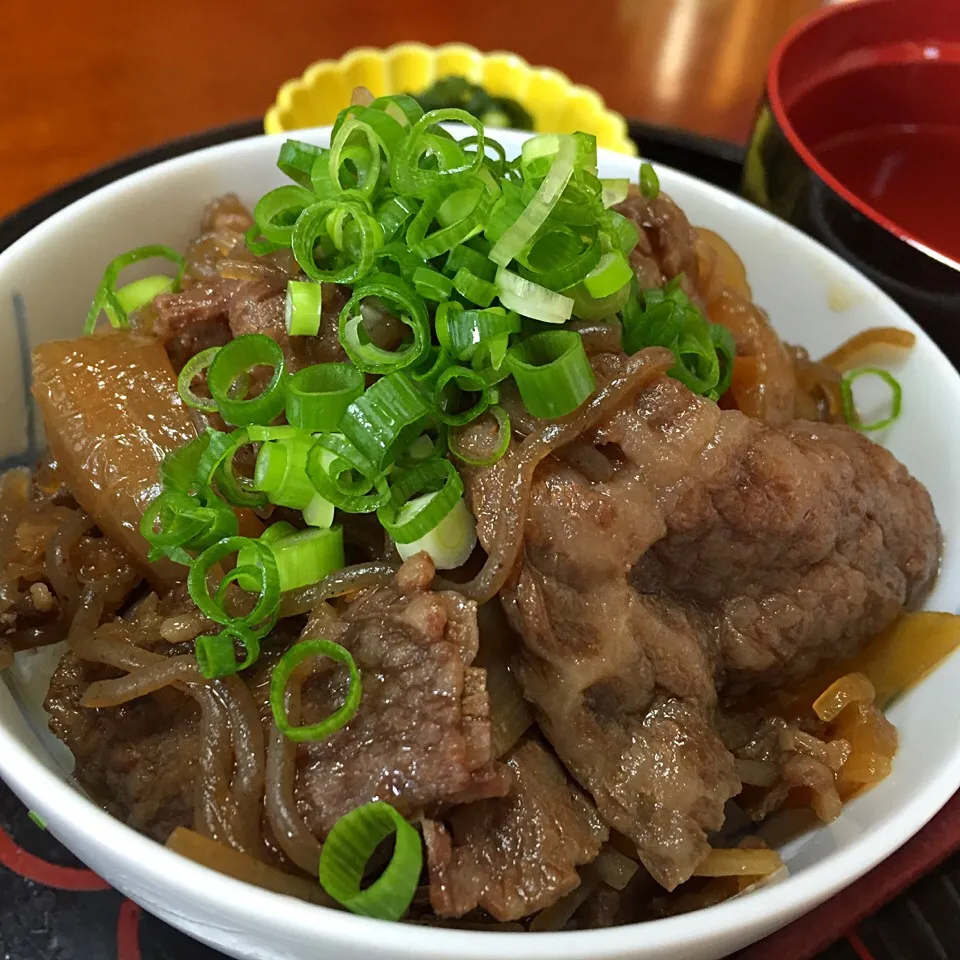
777,106
67,810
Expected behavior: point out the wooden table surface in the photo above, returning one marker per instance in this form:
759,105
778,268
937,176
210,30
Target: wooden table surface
82,84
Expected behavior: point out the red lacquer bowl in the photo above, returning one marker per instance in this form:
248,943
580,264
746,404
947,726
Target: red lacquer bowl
857,141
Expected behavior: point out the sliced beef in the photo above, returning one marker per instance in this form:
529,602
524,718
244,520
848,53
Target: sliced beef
139,760
517,854
111,412
722,553
420,741
666,247
421,738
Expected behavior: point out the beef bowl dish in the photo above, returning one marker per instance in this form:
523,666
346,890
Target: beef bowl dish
447,535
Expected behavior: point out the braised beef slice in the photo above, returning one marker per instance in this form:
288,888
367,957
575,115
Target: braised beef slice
421,737
666,247
139,760
517,854
721,553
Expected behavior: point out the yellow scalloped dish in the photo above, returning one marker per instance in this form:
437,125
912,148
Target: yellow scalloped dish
556,104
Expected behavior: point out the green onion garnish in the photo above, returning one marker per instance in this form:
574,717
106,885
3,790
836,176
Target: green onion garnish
261,569
281,471
197,364
649,181
386,419
216,654
307,556
365,354
437,477
552,372
237,359
108,299
352,842
317,396
138,294
303,308
612,273
850,408
289,662
432,285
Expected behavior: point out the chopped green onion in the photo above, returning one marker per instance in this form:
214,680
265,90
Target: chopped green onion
435,476
277,211
318,512
365,159
469,214
726,348
382,421
138,294
296,160
178,469
626,233
477,263
449,543
432,285
216,653
532,300
239,357
215,467
560,257
353,840
263,569
464,257
37,819
649,182
197,364
401,106
552,373
461,332
176,522
311,231
304,308
397,255
611,274
106,298
614,191
307,556
318,395
849,406
472,288
340,475
394,213
257,246
452,384
286,665
395,292
588,308
516,237
247,555
667,318
281,471
498,450
407,176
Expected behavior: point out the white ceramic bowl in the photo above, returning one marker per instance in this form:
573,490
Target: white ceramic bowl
46,282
